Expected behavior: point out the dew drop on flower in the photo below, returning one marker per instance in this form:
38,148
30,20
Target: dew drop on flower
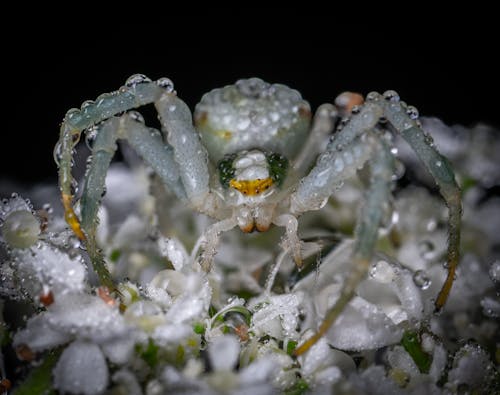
491,307
495,271
382,272
426,249
421,279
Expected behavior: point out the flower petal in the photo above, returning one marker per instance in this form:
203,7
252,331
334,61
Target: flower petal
81,369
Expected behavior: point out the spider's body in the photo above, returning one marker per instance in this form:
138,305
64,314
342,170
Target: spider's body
251,160
252,131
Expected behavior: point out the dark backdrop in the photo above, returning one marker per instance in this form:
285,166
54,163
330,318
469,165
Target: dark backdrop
451,75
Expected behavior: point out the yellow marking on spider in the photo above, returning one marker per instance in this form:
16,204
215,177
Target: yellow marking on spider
70,216
224,134
251,187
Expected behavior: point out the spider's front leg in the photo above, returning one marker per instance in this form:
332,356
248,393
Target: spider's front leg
138,91
150,146
328,174
404,119
182,164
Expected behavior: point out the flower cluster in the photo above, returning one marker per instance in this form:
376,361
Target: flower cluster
173,328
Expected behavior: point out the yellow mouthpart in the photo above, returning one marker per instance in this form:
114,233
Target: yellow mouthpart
251,187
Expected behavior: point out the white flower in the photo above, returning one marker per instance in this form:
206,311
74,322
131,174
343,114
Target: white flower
276,316
99,330
323,366
471,367
178,300
224,352
48,267
81,369
375,316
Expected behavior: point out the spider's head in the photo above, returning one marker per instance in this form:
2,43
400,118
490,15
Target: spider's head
250,178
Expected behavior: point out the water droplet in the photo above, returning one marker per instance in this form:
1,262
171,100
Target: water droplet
412,112
172,108
86,104
166,83
431,225
382,272
57,153
391,96
136,116
399,170
421,279
439,163
47,207
90,136
136,79
491,307
394,151
74,242
74,187
72,113
494,271
372,96
73,253
426,250
428,139
356,109
338,165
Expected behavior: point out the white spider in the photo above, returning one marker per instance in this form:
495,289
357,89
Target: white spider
251,160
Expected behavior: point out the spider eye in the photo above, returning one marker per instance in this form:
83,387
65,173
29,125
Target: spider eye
278,165
226,169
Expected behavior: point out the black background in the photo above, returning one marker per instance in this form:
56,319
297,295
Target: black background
451,75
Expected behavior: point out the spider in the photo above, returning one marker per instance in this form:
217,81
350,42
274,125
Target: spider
252,159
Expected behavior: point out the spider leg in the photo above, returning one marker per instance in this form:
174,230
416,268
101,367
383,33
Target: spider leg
189,153
210,241
440,169
331,170
322,126
154,151
377,196
75,121
291,241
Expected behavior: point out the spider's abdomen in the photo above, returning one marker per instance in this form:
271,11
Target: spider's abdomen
252,114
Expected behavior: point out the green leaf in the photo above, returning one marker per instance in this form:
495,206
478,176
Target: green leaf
290,347
115,255
39,380
411,343
199,328
149,353
299,388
